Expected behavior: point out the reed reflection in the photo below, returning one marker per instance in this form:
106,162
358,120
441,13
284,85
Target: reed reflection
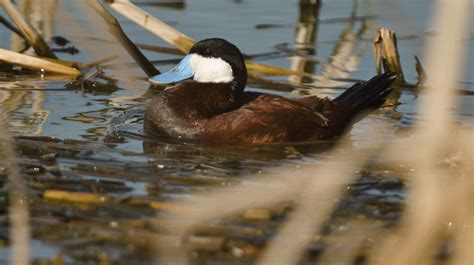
305,36
41,15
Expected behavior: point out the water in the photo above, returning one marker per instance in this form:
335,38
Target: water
103,149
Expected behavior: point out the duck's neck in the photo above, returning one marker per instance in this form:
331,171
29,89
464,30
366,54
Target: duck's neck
206,99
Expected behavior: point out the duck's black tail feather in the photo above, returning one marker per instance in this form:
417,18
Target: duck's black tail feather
365,96
358,101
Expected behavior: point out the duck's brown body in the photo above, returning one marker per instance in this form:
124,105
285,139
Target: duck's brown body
216,113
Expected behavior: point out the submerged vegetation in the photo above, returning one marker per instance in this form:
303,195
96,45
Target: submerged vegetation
81,183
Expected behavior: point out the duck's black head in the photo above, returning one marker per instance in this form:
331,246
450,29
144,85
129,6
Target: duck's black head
209,61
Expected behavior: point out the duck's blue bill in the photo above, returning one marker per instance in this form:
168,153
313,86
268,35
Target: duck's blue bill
180,72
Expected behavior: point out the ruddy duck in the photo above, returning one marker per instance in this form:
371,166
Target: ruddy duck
212,105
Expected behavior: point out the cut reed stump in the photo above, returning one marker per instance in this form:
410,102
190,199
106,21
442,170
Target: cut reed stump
386,53
29,32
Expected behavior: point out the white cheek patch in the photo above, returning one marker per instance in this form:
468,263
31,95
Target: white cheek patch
211,70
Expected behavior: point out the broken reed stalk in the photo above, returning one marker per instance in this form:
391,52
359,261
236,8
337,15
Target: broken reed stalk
386,54
182,41
30,33
35,63
118,33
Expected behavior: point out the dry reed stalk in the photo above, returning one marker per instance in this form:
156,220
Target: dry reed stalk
35,63
117,32
386,55
29,32
19,217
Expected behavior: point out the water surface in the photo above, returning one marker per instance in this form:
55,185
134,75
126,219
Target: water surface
97,129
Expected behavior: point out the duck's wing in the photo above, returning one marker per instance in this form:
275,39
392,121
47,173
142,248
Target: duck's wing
264,119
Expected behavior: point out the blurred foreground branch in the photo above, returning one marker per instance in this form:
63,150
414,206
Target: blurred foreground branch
19,219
